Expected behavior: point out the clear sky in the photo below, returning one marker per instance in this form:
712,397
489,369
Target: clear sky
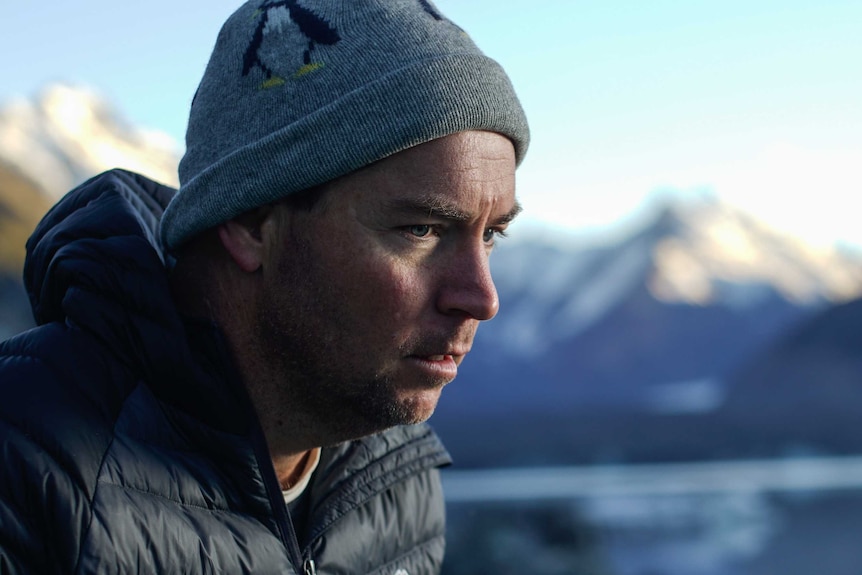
757,102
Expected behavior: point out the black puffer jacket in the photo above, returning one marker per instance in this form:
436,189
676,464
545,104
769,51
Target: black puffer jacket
129,445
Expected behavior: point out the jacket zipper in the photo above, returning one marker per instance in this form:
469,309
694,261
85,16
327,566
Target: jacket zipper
279,507
286,530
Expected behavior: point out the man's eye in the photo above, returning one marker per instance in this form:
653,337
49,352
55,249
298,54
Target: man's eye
420,231
491,234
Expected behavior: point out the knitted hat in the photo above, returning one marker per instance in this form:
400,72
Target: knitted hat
300,92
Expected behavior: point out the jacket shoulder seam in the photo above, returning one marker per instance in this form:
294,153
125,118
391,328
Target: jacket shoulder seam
165,498
86,533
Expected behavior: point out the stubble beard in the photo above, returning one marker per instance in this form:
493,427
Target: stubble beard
302,332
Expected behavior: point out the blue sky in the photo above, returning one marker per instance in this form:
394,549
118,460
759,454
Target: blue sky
759,103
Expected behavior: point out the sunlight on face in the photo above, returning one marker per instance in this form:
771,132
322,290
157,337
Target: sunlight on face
373,300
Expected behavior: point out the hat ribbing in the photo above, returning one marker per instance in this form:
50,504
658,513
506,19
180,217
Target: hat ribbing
300,92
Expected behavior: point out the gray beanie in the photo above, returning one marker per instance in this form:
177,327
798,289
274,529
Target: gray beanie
300,92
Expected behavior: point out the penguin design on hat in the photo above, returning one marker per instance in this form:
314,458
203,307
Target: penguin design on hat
272,16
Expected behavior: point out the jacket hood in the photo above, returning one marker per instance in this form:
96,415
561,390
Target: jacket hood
94,263
99,235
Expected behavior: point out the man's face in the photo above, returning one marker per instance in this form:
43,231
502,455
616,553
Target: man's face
372,299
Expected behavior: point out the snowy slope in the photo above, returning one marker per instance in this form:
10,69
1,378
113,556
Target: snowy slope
652,322
65,135
698,254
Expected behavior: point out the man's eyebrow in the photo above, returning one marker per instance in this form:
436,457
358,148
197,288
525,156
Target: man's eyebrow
510,215
429,206
436,207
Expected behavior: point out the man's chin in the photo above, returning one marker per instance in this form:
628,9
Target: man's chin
418,406
410,410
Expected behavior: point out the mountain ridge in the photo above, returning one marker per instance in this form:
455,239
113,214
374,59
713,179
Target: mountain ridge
585,357
680,255
66,134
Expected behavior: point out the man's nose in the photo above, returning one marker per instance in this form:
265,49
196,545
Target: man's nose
467,287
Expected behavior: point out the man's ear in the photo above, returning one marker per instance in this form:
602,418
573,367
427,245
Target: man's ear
243,238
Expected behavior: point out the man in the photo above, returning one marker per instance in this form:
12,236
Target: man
232,379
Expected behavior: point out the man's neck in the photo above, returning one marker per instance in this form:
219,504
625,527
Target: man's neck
205,284
290,469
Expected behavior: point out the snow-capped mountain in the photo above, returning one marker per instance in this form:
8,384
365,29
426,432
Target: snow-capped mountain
698,252
66,134
629,350
651,323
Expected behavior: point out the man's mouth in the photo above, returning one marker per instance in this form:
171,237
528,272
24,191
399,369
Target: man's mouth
445,355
